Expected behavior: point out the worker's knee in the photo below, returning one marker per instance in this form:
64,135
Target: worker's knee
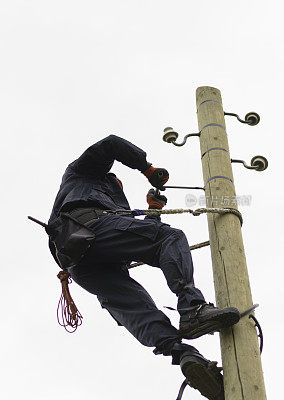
174,232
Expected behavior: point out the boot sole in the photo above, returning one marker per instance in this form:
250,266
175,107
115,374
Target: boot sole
215,323
203,376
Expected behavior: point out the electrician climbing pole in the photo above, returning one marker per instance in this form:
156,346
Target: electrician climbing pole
94,238
243,377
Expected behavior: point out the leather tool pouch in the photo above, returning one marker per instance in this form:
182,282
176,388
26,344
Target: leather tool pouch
71,239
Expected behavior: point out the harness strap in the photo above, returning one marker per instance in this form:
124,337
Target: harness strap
87,216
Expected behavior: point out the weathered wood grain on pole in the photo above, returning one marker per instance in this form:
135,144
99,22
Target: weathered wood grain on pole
243,377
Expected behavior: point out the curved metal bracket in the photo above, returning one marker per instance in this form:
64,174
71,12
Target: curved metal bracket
258,163
170,136
244,164
181,390
257,324
251,118
260,333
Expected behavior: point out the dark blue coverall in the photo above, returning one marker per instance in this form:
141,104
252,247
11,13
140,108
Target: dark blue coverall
120,240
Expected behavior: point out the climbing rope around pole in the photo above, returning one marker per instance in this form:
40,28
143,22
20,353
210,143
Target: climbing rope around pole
196,212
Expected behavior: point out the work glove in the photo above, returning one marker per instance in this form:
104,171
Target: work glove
157,176
156,201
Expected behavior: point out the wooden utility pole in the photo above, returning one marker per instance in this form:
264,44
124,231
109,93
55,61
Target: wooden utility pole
243,377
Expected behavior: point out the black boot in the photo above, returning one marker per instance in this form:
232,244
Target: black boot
205,318
203,375
179,349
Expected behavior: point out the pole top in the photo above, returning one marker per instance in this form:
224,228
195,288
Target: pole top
204,93
207,88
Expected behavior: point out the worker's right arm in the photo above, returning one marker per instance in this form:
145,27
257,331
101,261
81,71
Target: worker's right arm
98,159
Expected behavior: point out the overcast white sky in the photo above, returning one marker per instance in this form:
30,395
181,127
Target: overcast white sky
72,72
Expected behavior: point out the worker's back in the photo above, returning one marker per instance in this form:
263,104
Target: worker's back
88,182
79,190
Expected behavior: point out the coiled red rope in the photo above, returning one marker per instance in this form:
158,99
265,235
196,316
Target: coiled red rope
68,314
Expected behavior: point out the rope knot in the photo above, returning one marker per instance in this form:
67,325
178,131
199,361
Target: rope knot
64,276
199,211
